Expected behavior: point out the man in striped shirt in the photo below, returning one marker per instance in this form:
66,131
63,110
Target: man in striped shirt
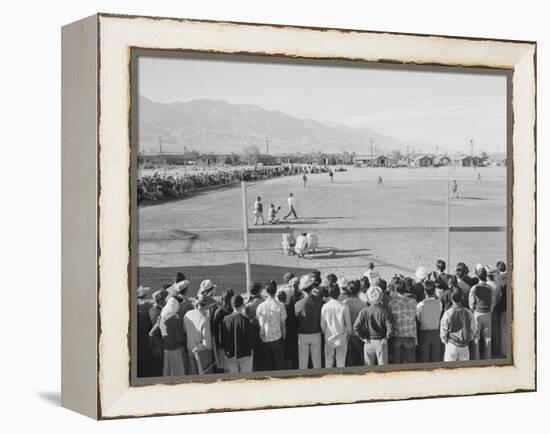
403,341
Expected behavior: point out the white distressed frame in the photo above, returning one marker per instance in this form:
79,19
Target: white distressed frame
116,35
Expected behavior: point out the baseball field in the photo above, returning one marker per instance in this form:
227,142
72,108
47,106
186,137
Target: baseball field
398,227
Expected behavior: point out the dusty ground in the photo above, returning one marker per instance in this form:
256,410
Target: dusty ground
398,227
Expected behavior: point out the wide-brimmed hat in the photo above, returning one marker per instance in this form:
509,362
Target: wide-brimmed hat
206,286
420,273
374,295
181,286
306,281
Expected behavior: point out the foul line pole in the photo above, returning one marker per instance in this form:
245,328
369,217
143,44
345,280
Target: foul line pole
245,232
447,226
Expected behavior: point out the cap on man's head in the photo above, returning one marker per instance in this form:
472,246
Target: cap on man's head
343,283
180,276
374,295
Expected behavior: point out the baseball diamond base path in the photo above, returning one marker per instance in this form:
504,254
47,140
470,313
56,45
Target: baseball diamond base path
398,227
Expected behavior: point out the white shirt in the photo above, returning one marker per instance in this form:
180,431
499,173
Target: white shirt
335,321
257,206
271,313
290,201
301,242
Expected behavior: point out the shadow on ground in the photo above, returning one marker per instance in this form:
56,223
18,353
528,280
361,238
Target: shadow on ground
52,398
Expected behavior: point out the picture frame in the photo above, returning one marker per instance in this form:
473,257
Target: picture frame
97,217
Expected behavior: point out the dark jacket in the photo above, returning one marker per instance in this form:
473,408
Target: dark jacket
237,330
175,336
501,280
418,291
219,315
374,322
482,298
308,314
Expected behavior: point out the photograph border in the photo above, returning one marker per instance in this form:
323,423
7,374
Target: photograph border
115,397
137,52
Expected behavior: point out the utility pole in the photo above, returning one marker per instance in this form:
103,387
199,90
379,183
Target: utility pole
407,151
436,150
471,147
371,153
160,144
267,145
160,150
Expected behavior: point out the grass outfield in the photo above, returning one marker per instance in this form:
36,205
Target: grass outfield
398,227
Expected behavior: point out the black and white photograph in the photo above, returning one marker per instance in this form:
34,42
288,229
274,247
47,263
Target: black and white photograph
297,215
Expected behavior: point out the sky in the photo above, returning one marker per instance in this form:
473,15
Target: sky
444,108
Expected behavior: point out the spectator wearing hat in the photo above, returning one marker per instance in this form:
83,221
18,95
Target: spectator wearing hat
418,287
404,337
186,303
173,337
271,316
457,330
336,327
374,326
343,284
199,337
308,316
221,312
172,289
355,353
238,336
482,302
428,312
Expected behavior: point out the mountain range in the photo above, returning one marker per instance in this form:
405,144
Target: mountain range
208,125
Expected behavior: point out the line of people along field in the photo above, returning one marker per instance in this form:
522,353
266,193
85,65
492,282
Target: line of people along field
313,322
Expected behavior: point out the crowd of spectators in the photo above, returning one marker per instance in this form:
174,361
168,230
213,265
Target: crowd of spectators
310,322
162,187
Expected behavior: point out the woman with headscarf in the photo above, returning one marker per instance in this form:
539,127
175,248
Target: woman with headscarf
173,336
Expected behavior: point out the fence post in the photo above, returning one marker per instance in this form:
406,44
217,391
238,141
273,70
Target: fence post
447,227
245,232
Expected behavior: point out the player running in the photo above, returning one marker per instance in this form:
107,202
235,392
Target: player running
291,209
454,189
331,176
478,177
379,182
304,178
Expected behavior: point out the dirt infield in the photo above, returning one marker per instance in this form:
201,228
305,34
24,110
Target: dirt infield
398,227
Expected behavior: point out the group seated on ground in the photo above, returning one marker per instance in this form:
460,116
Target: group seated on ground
307,322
